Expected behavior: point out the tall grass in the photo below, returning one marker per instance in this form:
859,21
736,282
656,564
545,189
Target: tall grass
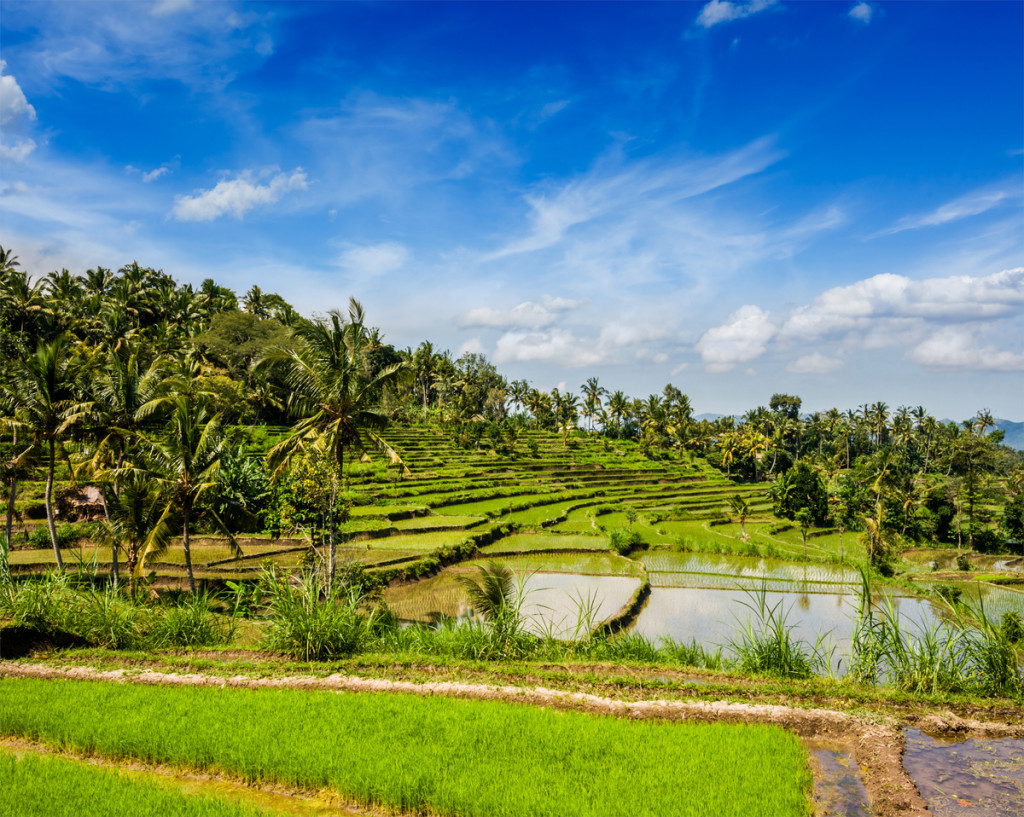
106,617
764,645
968,651
427,755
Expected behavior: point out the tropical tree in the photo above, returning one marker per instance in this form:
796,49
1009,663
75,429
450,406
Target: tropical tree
47,405
334,401
135,521
742,509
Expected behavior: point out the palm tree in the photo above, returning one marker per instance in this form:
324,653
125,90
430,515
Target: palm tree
333,401
183,463
494,596
136,524
741,509
47,406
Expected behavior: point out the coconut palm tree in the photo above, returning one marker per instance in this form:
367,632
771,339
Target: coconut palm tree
334,401
135,520
742,510
183,463
47,405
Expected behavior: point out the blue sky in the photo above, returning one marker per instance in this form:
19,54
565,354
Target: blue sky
739,198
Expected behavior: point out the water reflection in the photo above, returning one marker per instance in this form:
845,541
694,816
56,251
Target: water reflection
711,616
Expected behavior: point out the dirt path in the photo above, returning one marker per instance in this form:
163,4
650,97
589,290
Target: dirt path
877,747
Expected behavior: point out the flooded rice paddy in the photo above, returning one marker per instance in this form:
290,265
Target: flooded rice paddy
973,777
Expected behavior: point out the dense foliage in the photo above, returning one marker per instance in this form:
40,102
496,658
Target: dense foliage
172,401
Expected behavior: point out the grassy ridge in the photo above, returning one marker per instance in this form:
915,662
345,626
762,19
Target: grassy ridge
55,787
450,756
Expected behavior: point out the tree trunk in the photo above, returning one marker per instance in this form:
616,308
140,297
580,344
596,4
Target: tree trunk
186,512
133,560
332,547
51,462
12,495
115,568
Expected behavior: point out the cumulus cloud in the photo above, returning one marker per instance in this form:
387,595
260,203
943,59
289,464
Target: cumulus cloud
744,336
724,11
373,260
473,346
527,315
899,301
971,204
862,13
814,363
15,113
958,348
562,346
237,196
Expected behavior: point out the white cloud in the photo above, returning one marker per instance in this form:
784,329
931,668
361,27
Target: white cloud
473,346
13,105
971,204
724,11
814,363
237,196
172,6
744,336
18,151
553,345
892,300
562,346
373,260
611,189
527,315
153,175
862,13
958,348
15,113
114,45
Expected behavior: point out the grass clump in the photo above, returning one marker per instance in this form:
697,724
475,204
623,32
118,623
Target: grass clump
428,755
56,787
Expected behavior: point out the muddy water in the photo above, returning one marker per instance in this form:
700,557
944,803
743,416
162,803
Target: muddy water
838,788
969,777
711,616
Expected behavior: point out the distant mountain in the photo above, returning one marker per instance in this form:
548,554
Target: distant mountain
1014,433
709,417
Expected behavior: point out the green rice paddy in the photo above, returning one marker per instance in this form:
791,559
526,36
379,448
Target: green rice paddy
445,756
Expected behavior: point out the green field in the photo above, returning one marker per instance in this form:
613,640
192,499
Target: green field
416,754
56,787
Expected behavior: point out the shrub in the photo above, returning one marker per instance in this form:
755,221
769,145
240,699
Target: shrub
963,563
623,541
188,622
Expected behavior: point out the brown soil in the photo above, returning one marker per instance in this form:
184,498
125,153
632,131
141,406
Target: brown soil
877,747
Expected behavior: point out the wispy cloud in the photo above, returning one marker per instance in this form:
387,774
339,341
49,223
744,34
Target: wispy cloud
237,196
613,186
971,204
724,11
373,260
114,45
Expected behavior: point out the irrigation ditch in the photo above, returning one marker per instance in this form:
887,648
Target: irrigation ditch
871,743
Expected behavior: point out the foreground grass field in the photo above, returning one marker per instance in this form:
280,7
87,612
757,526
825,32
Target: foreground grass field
55,787
418,754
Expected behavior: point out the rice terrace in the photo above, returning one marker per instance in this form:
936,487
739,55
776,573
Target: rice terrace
515,409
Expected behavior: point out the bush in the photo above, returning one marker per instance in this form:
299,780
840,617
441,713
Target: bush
189,622
308,626
623,541
963,563
1012,627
